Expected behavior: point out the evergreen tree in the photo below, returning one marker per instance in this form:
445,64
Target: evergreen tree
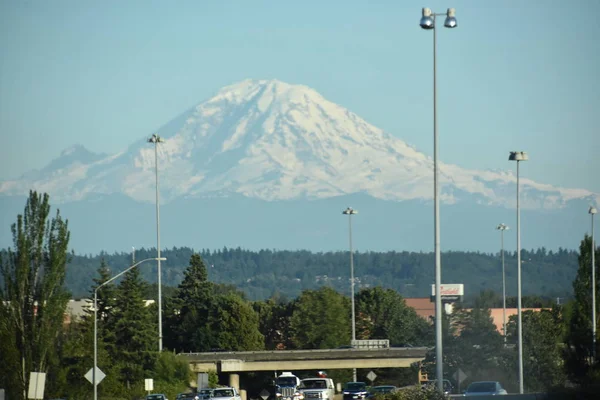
135,330
579,333
32,296
188,319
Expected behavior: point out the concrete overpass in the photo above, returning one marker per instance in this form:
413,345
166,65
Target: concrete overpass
295,360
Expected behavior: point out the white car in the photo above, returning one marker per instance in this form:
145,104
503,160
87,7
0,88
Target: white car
225,393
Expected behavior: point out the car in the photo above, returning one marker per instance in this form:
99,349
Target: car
204,394
355,391
157,396
490,388
188,396
225,393
380,390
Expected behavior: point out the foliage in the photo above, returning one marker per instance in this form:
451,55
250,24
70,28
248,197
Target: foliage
169,369
204,316
542,348
135,329
413,393
188,327
383,314
32,297
235,324
261,274
320,320
274,323
579,332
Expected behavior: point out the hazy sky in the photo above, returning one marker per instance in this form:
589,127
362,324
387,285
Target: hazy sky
514,75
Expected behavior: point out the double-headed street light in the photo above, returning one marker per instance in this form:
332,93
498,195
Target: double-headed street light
592,211
350,212
94,380
155,139
502,228
428,20
519,156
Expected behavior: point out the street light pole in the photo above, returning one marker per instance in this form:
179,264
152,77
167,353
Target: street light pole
95,383
350,212
155,139
502,228
427,22
593,211
519,156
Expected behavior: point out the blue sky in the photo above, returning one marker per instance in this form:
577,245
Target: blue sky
515,75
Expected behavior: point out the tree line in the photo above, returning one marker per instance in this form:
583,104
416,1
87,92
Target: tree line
201,314
262,274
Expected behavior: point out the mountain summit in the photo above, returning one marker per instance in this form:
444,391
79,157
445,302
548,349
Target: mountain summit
270,140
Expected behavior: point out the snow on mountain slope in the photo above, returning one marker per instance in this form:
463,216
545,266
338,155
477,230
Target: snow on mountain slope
270,140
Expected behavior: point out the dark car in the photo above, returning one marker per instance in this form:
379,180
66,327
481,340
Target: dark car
188,396
355,391
381,390
156,397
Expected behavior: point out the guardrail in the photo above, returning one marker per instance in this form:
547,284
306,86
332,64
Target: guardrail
392,352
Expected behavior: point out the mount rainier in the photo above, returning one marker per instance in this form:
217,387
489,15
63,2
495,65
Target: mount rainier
266,164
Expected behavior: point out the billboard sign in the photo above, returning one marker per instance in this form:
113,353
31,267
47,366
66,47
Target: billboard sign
451,292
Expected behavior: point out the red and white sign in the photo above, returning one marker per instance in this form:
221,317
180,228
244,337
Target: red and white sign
451,290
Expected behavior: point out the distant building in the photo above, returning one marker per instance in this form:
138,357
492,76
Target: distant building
426,310
76,308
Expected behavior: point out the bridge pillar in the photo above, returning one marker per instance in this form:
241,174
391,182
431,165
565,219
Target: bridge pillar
234,381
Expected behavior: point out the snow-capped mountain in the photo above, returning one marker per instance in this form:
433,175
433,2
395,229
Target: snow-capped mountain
269,140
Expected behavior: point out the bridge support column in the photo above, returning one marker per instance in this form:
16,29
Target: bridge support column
234,381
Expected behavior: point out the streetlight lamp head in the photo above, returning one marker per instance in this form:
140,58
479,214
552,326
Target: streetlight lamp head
427,20
450,19
502,227
518,156
155,139
592,210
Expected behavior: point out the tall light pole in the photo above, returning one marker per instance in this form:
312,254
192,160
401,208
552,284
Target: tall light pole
428,20
350,212
502,228
519,156
95,383
593,211
155,139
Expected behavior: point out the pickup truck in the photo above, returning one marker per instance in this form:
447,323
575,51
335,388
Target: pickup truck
317,388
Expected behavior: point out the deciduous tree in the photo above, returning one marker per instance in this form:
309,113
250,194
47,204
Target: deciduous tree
320,320
32,296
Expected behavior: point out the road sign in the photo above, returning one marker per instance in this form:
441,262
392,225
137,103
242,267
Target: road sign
371,376
149,384
99,375
37,381
370,344
459,376
264,394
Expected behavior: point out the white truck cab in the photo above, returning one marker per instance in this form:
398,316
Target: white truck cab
317,388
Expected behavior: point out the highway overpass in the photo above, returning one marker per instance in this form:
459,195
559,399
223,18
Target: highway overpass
295,360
